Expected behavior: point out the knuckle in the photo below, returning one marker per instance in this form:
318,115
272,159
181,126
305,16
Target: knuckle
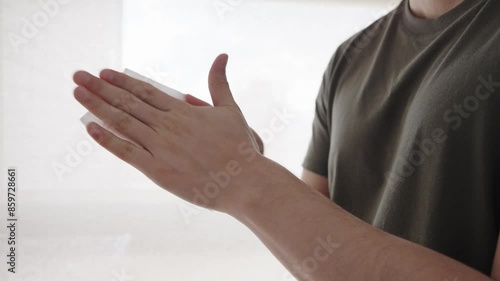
123,122
171,126
163,170
126,152
220,80
112,78
125,102
143,92
116,77
96,84
186,109
148,86
155,114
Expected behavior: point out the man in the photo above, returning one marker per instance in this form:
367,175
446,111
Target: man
404,144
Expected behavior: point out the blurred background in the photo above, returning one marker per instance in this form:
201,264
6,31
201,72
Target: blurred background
83,214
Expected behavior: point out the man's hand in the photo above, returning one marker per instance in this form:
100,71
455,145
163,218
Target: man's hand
208,156
186,149
197,102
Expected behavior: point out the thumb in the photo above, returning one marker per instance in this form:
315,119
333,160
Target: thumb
217,83
192,100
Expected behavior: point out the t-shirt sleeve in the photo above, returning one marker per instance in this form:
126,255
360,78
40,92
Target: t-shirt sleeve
316,159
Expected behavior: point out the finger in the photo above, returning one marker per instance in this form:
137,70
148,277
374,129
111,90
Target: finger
121,121
126,151
217,83
142,90
116,97
192,100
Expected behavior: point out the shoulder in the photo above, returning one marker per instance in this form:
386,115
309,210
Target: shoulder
368,36
363,40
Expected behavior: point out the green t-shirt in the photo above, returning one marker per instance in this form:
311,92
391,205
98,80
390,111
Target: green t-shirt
407,126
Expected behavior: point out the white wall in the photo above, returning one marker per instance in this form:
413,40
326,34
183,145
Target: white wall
103,216
41,115
278,51
41,118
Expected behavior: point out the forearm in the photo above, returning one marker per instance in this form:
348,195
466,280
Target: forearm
295,222
179,146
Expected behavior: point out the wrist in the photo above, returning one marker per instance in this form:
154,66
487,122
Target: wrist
262,186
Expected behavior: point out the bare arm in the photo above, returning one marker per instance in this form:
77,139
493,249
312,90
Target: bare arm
209,157
317,240
318,182
495,273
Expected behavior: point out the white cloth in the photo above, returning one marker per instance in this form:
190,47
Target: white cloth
89,117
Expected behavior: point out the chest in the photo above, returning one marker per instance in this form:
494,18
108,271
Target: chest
377,107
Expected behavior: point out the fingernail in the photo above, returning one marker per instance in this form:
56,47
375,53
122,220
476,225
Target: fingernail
226,60
95,132
107,74
81,94
82,77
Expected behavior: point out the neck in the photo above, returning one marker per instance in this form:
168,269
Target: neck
431,9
